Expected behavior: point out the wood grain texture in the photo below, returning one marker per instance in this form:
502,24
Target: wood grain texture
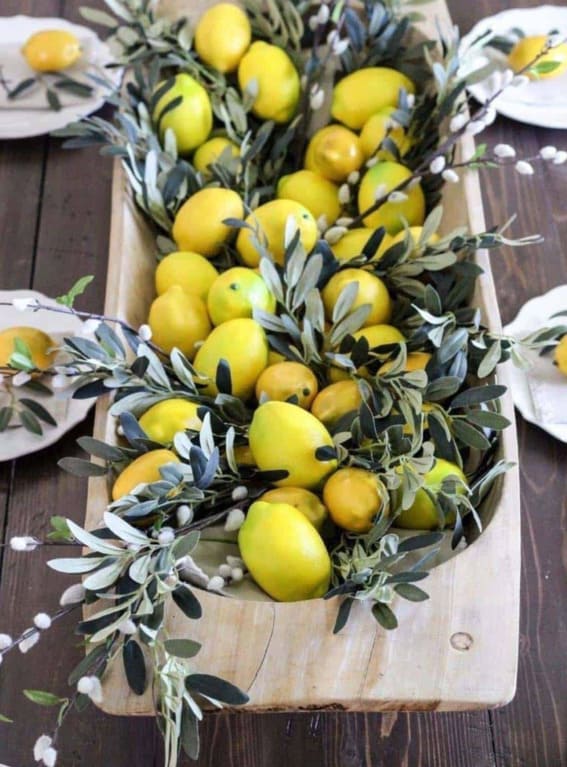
529,732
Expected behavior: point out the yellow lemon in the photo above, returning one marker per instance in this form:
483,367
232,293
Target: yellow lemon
190,271
37,342
414,361
288,379
142,470
379,181
528,48
354,497
284,436
335,401
211,151
375,130
191,120
364,92
242,344
319,195
270,220
422,514
284,552
304,501
274,357
198,225
272,73
560,355
222,36
236,293
334,152
52,50
163,420
380,335
371,290
352,243
179,319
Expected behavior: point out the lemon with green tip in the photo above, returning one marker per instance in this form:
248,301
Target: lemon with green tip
236,293
422,514
381,179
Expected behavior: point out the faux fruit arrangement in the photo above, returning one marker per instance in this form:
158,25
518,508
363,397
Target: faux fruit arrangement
312,387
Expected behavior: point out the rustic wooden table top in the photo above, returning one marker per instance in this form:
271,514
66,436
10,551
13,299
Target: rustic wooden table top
54,220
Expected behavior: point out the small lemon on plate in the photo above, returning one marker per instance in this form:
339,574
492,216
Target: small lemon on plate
550,64
561,355
52,50
37,342
222,36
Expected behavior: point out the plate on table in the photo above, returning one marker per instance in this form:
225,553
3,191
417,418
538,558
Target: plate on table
30,114
18,441
540,393
542,102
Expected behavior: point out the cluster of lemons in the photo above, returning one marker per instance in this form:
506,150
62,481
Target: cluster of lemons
209,315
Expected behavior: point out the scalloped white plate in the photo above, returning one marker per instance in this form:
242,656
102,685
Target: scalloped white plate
67,412
533,314
30,115
542,103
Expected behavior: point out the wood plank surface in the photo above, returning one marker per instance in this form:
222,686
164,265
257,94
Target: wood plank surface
44,241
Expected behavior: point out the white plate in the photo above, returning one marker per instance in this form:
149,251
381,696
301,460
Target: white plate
30,115
534,314
67,412
542,102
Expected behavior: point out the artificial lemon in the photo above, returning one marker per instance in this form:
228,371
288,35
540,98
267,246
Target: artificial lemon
334,152
272,73
190,271
422,514
363,93
52,50
222,36
191,120
284,436
198,225
371,290
212,151
163,420
412,235
284,553
379,181
376,129
335,401
274,357
354,497
236,293
37,342
380,335
316,193
414,361
560,355
179,320
304,501
242,344
528,48
288,379
352,243
271,220
142,470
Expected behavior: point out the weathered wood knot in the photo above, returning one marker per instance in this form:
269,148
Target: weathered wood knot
461,641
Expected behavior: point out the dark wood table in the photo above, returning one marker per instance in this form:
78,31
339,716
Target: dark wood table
54,221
